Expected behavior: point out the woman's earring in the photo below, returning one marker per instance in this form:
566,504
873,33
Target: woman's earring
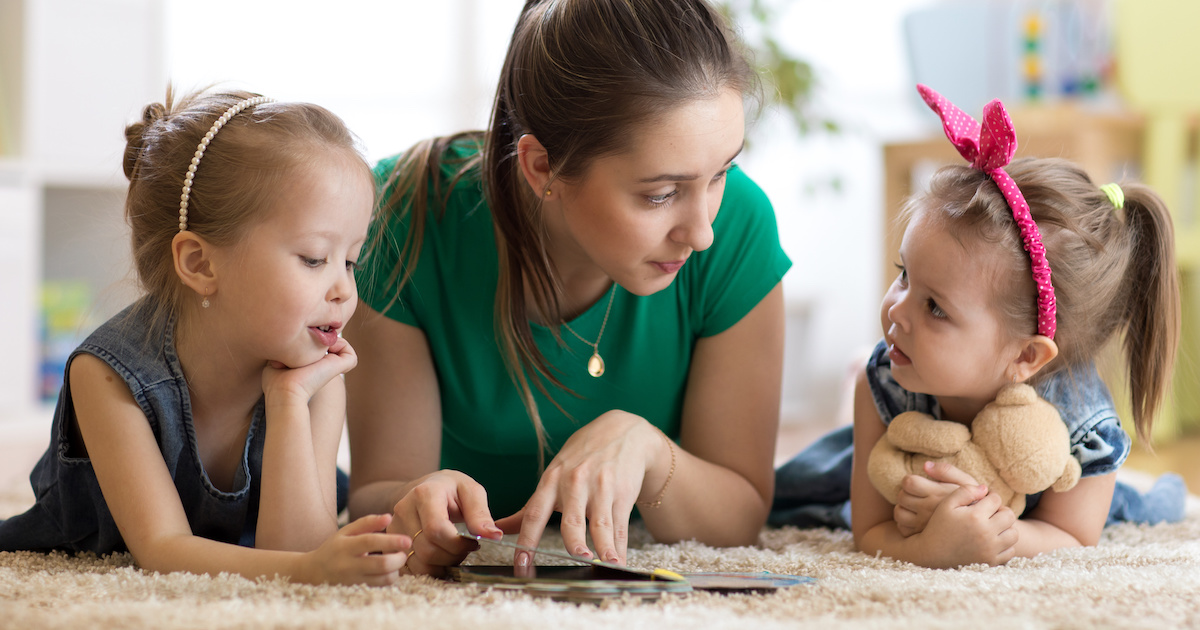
547,193
205,303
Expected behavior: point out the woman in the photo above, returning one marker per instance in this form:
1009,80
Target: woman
581,307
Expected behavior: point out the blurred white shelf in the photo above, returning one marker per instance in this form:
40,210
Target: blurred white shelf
72,73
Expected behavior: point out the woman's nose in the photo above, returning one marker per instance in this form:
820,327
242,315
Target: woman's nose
695,227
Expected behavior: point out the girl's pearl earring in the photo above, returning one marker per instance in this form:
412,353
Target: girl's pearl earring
205,303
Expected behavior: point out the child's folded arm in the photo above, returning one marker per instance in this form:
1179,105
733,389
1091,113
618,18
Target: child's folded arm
1067,519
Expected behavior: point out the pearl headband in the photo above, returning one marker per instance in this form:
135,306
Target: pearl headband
212,132
989,148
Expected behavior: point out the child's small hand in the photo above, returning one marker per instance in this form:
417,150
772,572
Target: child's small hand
920,496
966,530
359,553
429,510
305,381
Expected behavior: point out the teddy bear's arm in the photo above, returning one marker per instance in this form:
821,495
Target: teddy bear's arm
1070,476
886,468
916,432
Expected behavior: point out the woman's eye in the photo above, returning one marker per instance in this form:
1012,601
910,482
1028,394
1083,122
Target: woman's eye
936,310
722,174
903,274
658,200
351,266
312,262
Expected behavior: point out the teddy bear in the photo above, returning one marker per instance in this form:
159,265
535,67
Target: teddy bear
1017,445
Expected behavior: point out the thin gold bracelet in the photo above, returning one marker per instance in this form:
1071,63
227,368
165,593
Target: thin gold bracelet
657,502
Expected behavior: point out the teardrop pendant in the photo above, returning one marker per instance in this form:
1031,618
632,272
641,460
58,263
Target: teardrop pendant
596,365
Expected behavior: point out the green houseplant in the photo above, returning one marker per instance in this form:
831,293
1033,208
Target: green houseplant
789,81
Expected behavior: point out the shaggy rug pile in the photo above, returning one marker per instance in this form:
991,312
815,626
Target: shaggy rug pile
1137,577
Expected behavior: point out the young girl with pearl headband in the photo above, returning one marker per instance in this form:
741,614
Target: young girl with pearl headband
1009,273
198,429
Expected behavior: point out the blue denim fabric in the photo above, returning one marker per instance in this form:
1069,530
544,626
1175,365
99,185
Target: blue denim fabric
1082,398
70,512
813,489
1164,502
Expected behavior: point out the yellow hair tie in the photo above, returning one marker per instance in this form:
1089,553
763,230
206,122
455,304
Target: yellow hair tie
1115,194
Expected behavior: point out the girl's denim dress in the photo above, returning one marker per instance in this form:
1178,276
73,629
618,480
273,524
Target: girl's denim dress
70,512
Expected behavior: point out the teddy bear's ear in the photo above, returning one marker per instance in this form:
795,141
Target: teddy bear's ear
1016,395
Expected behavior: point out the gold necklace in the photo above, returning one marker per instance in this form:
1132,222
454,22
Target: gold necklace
596,362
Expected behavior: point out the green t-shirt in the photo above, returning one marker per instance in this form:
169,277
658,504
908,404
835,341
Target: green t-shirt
647,344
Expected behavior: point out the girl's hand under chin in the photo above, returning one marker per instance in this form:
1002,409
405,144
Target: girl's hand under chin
305,381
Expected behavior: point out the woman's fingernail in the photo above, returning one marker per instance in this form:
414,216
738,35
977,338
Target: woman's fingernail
612,557
522,558
583,552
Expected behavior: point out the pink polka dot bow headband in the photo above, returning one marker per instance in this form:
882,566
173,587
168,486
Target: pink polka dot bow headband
990,147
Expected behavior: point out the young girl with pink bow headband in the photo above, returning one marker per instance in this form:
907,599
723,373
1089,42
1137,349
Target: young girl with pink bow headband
1009,271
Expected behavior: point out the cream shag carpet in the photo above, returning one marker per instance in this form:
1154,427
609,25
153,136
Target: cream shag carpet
1137,577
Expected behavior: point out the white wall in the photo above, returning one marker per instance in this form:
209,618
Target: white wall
401,70
71,73
834,235
396,70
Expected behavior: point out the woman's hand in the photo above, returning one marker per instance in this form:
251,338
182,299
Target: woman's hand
359,553
920,496
594,481
966,530
427,513
303,382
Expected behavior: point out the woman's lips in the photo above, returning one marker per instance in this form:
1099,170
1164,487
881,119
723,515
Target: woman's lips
669,266
897,356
